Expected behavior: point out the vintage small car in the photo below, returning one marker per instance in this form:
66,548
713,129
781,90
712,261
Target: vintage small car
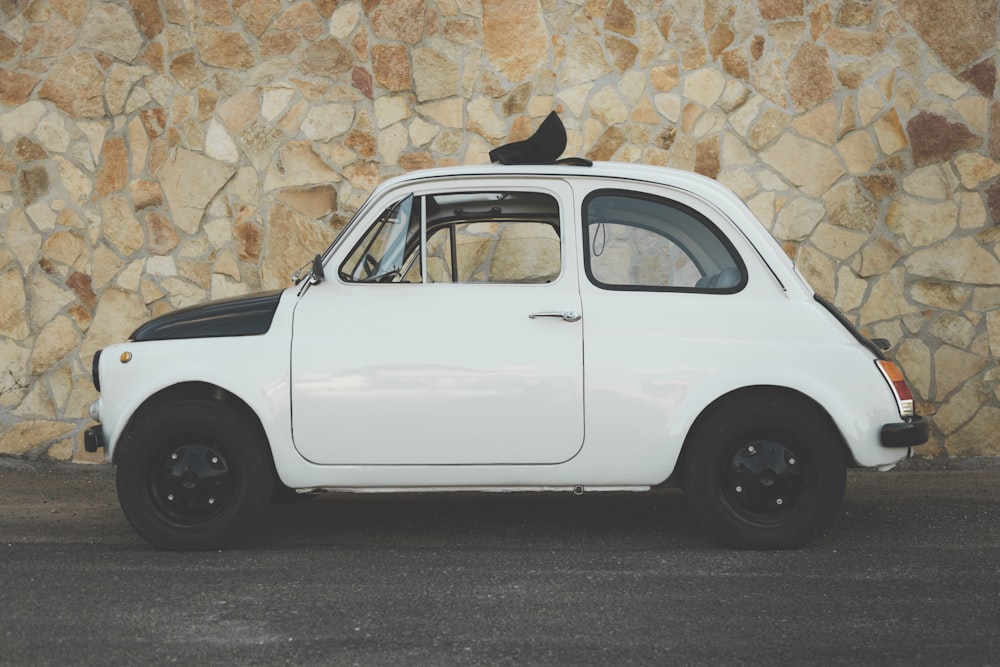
532,325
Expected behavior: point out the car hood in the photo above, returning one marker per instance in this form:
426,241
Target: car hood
241,316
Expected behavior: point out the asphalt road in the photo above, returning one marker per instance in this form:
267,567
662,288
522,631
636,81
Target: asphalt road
908,574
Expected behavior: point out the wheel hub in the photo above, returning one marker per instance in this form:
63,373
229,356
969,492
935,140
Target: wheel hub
192,484
764,478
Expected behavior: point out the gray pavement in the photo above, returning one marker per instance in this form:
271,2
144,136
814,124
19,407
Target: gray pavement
909,573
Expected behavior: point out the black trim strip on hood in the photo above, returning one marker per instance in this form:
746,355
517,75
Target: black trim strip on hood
239,316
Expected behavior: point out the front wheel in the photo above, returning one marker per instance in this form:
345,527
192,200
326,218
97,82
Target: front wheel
193,474
765,472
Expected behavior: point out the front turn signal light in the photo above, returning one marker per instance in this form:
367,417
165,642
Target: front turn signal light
900,390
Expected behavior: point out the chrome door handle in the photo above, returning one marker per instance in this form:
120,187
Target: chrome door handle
568,315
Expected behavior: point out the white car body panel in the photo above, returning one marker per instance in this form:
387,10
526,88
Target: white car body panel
613,408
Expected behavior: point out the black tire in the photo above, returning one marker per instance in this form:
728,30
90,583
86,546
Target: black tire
193,474
765,471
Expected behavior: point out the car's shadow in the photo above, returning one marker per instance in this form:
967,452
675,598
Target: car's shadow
531,520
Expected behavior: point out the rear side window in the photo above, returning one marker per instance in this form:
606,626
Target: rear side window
640,242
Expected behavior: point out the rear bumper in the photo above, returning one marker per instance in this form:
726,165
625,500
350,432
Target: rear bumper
905,434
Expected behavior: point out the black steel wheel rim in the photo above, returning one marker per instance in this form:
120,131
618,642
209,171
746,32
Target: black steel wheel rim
191,482
766,480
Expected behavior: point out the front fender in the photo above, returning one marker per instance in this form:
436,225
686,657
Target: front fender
133,374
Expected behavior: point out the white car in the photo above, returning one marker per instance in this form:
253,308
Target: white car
536,326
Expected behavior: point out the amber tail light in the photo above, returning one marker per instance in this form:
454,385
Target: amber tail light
901,390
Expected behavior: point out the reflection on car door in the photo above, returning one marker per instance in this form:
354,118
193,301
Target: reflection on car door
429,370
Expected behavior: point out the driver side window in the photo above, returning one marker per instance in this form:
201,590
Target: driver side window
471,237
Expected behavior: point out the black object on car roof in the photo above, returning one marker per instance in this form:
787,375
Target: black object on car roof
543,147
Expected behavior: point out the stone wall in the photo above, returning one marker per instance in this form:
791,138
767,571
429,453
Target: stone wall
159,154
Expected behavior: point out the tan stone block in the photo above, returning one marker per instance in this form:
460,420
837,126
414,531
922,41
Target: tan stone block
190,181
113,173
856,42
975,169
313,202
224,48
770,124
848,207
447,113
858,151
819,124
515,39
67,248
240,110
394,20
993,327
972,211
160,235
623,52
327,57
921,223
977,437
584,62
952,368
803,163
197,272
25,436
15,87
297,165
890,134
887,299
225,265
838,241
809,77
328,121
110,28
975,111
768,77
57,339
45,299
958,409
953,329
182,293
129,278
119,226
257,14
106,266
60,381
850,290
363,175
930,182
393,141
435,75
391,66
13,323
607,106
960,35
947,296
390,110
881,186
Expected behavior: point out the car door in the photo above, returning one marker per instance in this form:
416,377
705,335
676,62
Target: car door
447,332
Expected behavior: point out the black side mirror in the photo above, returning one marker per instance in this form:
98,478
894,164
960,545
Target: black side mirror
317,270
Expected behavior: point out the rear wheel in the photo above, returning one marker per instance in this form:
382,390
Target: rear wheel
765,471
193,474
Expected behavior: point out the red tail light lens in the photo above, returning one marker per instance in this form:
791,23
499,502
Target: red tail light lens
901,390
